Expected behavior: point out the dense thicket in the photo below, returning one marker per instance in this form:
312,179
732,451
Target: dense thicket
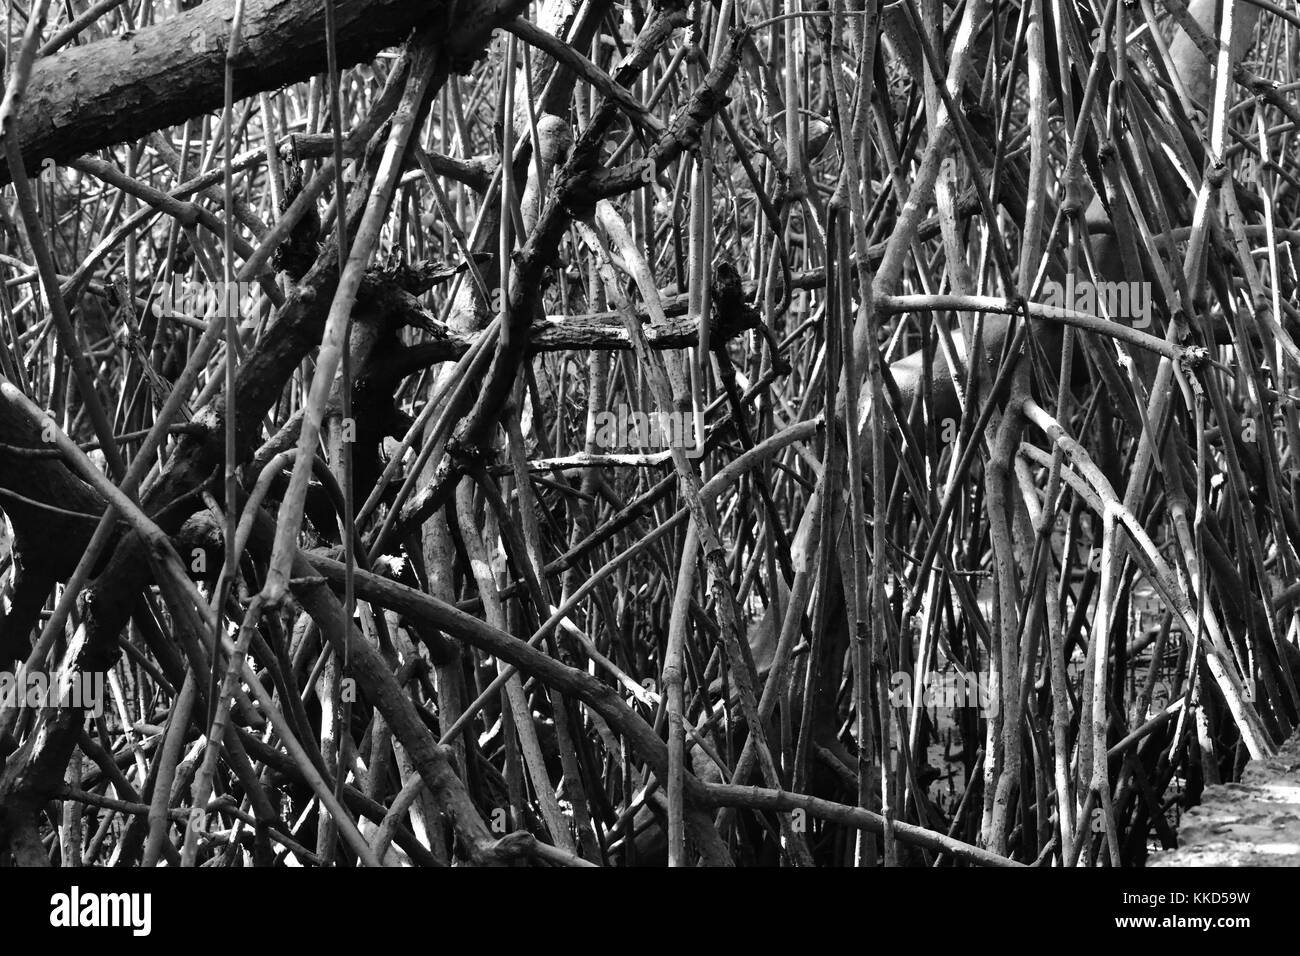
812,433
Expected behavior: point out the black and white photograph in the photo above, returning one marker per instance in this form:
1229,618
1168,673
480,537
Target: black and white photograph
639,434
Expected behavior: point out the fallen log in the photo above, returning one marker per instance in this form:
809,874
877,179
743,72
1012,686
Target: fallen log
121,88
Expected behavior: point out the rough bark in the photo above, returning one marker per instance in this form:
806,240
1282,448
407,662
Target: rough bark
121,88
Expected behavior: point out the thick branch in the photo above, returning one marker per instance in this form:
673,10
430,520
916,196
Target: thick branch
123,87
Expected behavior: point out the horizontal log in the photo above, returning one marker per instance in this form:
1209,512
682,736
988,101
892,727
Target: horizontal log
551,334
120,88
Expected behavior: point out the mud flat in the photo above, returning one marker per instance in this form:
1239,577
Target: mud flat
1252,823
